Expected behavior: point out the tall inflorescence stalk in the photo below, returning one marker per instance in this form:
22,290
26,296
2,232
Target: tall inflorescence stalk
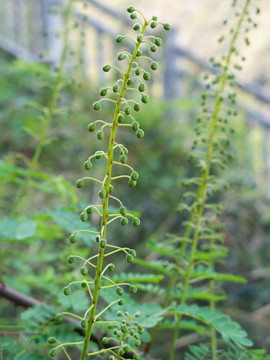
210,153
47,112
130,82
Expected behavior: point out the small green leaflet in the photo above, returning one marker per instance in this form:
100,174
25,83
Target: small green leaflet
15,230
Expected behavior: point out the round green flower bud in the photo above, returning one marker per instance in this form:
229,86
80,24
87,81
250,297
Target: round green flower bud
137,343
79,183
131,9
87,165
130,81
102,243
83,217
154,18
158,41
111,357
111,267
84,284
121,302
144,98
140,38
146,76
52,340
140,330
89,210
139,52
133,289
111,188
103,92
133,16
166,26
84,323
119,38
127,110
141,87
96,105
132,252
97,238
121,118
138,314
136,356
105,340
125,150
123,159
124,221
91,127
132,183
127,348
67,290
73,239
115,88
100,135
71,259
154,65
84,270
106,68
153,24
58,317
153,48
136,221
121,56
102,193
138,71
119,313
129,258
53,352
123,210
134,175
135,125
119,291
137,107
136,26
98,154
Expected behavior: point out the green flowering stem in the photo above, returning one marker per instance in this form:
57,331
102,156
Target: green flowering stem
201,197
106,202
48,116
197,211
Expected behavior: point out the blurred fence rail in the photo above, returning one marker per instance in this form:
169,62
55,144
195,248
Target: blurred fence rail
29,28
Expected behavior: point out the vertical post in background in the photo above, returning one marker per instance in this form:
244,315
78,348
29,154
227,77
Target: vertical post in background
18,14
266,158
171,71
100,57
52,22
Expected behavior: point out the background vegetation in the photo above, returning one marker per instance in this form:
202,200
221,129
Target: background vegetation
34,242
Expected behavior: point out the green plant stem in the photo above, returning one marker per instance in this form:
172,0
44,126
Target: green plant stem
106,202
212,302
205,178
48,118
197,212
118,356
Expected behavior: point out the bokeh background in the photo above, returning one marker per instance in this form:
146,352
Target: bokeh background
30,47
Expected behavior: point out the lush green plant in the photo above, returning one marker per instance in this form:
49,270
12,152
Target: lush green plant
129,81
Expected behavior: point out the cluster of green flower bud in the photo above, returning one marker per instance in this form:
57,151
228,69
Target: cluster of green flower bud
128,328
